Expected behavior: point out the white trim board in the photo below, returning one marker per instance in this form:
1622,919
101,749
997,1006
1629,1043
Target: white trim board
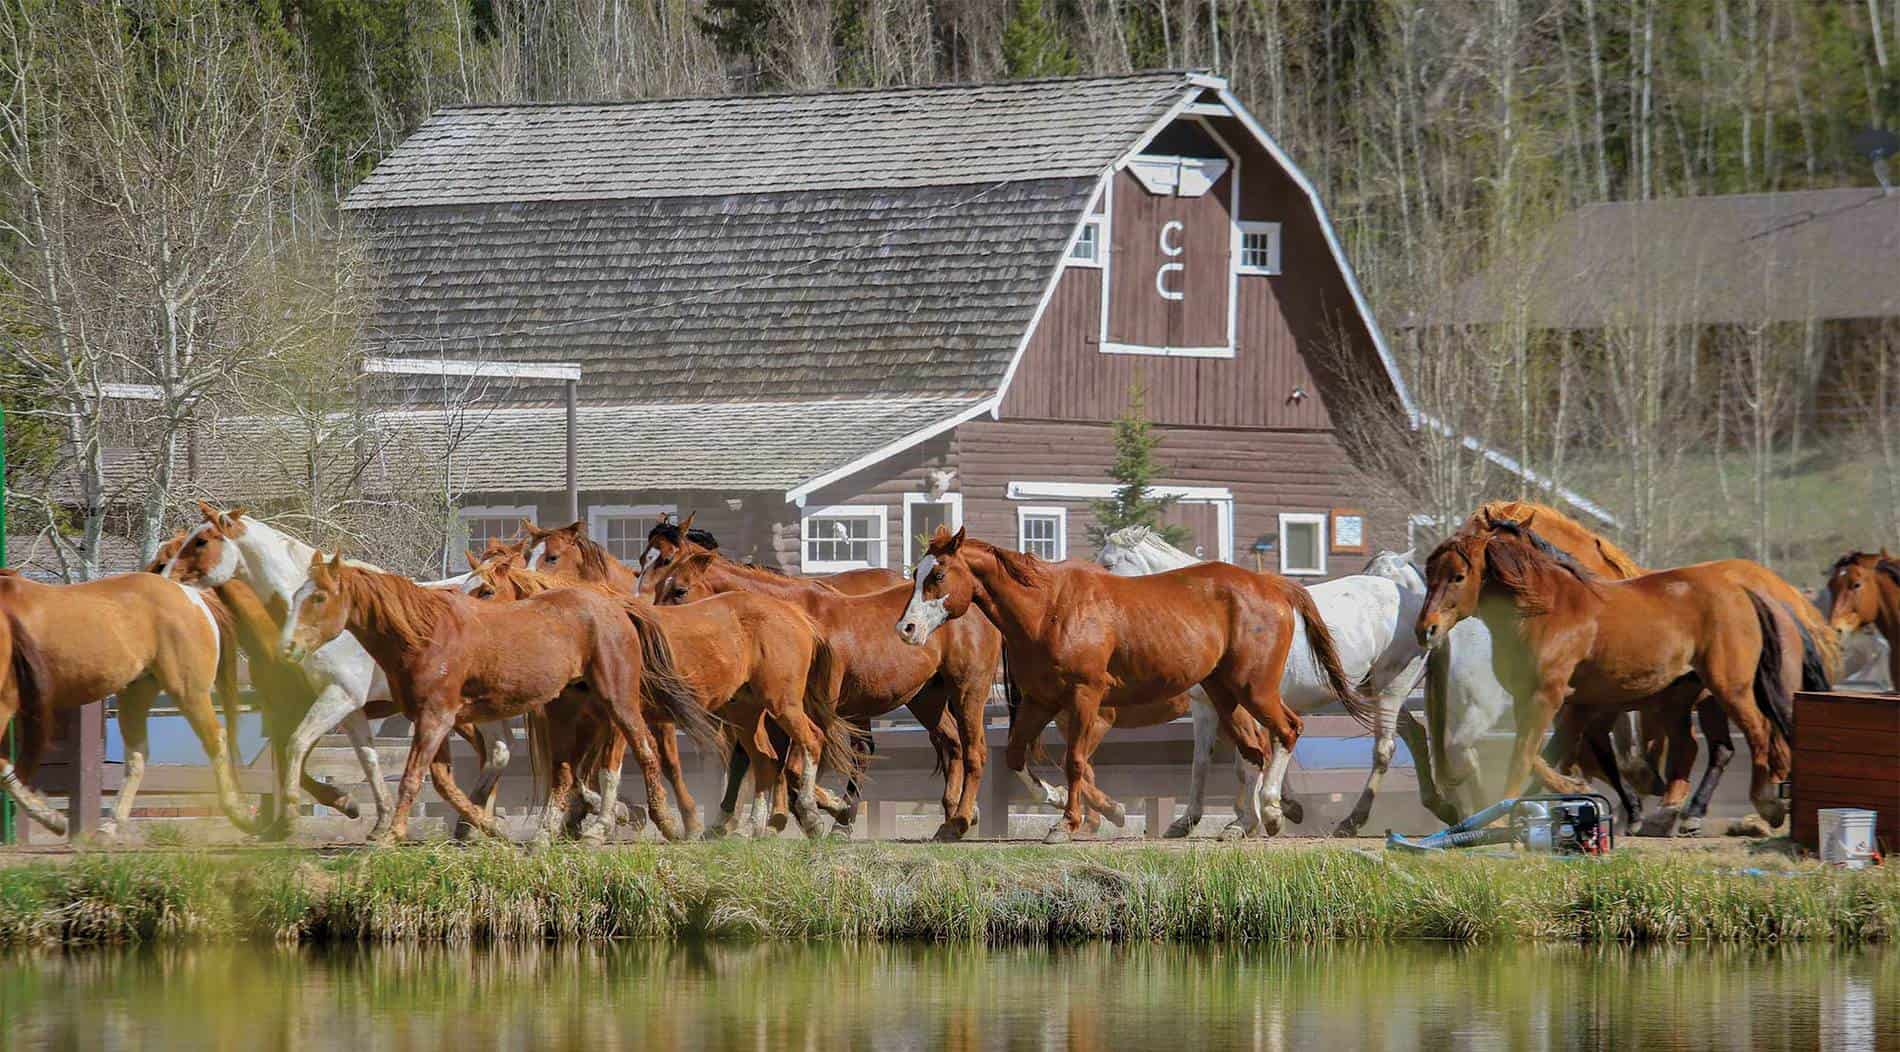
798,493
441,367
1055,277
1020,490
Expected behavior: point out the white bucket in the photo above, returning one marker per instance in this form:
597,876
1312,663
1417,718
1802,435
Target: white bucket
1847,836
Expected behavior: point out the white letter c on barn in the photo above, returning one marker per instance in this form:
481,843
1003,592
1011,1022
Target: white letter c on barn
1172,226
1161,281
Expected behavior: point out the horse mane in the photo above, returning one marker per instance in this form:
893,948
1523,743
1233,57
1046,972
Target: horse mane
1883,565
1524,564
524,581
397,606
1890,569
670,531
1496,512
1027,570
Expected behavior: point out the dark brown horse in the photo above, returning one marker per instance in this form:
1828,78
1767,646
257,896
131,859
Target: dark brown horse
1560,634
1864,589
1080,639
875,672
451,658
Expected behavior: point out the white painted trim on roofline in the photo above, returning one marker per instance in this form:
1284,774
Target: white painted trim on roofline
1569,496
798,493
1049,288
1332,240
1020,490
440,367
1208,109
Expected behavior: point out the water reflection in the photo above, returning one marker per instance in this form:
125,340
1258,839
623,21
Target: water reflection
641,996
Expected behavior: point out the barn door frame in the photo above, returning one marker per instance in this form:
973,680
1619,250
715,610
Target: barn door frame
953,501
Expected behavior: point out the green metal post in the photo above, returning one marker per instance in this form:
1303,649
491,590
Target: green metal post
13,751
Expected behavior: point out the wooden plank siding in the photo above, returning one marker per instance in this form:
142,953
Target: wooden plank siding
1269,472
1846,754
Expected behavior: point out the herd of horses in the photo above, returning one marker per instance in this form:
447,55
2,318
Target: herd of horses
1603,666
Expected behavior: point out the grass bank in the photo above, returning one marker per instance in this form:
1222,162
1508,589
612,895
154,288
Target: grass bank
977,894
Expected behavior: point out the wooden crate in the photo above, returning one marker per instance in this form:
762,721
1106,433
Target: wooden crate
1846,754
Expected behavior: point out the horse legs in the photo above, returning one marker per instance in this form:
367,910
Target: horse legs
1024,731
31,802
738,771
1085,703
1383,746
1206,732
632,725
1416,743
1721,741
332,705
442,773
203,717
433,725
363,744
134,702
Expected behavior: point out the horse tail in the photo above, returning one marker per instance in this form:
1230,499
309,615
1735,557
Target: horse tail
843,752
664,684
230,699
1326,656
33,685
1013,699
1437,701
1771,693
1814,665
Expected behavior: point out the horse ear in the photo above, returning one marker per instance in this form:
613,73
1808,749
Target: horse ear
955,541
665,517
1409,554
687,522
578,527
528,527
239,512
210,513
474,561
336,561
1528,516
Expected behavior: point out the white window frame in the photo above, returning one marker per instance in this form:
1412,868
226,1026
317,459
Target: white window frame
598,514
860,511
911,500
517,512
1044,511
1220,497
1316,519
1241,230
1099,224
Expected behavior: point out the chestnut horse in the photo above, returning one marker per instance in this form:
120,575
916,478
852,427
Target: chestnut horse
874,672
750,658
1864,589
133,635
1660,724
1560,633
1080,639
451,658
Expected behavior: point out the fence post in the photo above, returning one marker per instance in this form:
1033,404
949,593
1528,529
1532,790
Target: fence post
998,780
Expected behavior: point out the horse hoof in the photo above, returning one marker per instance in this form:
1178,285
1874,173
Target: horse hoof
948,833
1347,828
347,807
1117,816
1752,826
1294,810
1271,820
1181,829
1058,835
466,831
636,819
1231,832
1689,826
1662,823
778,822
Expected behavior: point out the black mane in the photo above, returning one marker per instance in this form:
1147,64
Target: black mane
670,532
1558,555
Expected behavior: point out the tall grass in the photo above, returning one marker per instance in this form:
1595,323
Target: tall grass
994,895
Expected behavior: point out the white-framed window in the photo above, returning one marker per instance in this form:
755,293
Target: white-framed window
922,515
1043,531
483,524
844,537
1259,248
1090,245
1303,544
622,528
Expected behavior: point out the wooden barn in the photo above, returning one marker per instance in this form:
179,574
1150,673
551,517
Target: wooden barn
827,323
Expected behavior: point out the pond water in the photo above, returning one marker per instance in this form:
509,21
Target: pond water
637,996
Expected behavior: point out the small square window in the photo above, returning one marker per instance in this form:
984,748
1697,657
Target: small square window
1303,544
623,530
1043,532
484,525
1087,251
843,538
1259,248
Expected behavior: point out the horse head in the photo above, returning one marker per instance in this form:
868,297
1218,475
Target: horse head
665,540
207,554
1398,568
1454,579
557,552
941,589
319,611
1853,588
683,580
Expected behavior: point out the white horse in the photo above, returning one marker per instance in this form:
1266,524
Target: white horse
347,678
1370,618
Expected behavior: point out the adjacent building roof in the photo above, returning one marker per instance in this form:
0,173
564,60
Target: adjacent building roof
1738,259
953,135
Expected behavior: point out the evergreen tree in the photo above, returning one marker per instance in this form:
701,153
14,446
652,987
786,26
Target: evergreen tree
1034,45
1135,468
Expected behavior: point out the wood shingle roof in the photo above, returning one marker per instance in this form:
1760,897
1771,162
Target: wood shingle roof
928,136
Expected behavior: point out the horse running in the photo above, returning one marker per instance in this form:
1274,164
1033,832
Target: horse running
1369,618
1464,699
1080,639
1864,589
64,646
749,658
451,658
874,671
1562,635
232,545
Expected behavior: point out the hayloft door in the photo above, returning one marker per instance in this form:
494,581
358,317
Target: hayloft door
1171,265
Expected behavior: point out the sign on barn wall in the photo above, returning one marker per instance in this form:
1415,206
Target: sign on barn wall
1171,281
